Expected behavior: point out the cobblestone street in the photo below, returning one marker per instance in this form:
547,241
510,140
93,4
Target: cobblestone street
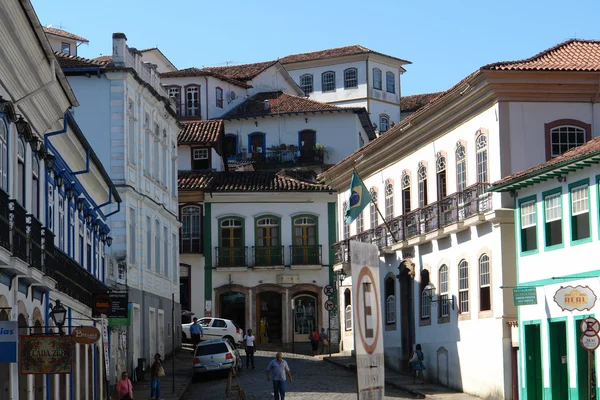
313,379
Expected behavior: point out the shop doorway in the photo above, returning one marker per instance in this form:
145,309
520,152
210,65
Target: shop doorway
559,373
233,307
405,318
23,385
269,317
305,316
533,362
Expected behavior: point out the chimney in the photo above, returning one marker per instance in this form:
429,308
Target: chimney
119,49
267,105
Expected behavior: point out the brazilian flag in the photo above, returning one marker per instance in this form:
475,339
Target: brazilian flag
359,198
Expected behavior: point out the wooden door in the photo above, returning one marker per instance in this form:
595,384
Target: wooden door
307,145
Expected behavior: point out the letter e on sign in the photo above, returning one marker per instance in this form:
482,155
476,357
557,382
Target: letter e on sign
368,310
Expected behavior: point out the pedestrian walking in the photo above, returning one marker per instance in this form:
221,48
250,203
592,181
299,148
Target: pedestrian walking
324,340
416,363
125,388
314,341
156,372
249,346
278,369
197,332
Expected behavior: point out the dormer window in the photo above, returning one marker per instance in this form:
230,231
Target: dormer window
65,48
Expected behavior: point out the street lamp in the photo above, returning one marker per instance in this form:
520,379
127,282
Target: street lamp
96,227
80,205
49,161
70,193
89,218
24,128
60,180
429,291
109,241
58,315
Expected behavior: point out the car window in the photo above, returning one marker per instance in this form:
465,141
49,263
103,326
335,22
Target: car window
236,325
219,323
213,348
205,322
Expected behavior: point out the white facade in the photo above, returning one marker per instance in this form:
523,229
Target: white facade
63,41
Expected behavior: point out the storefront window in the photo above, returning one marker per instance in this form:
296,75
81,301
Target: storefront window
305,310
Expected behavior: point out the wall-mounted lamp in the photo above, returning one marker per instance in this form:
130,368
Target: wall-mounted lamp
429,291
49,161
109,241
96,227
58,315
24,129
256,123
561,178
60,180
35,144
103,236
89,218
79,205
70,193
306,120
7,107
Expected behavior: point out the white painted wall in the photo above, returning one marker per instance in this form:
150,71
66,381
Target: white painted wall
154,57
57,41
269,80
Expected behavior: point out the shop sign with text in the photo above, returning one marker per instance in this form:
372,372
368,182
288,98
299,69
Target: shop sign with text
46,354
575,298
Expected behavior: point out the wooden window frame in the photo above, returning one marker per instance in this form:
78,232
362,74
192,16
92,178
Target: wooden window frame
218,102
560,122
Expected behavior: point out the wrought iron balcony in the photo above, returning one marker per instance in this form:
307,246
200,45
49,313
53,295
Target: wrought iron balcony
4,221
227,257
267,256
18,229
305,255
34,234
278,158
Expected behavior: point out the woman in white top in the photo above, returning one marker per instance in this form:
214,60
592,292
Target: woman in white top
250,347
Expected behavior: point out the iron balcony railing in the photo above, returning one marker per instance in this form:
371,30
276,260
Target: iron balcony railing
275,158
231,256
456,207
305,255
34,234
18,228
4,221
267,256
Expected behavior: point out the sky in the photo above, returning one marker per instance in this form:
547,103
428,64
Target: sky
444,40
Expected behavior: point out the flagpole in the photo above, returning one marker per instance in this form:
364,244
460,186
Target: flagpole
387,225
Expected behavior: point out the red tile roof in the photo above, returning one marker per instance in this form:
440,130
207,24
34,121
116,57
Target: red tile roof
191,72
65,34
571,55
584,151
103,59
202,133
242,72
414,102
279,103
246,181
333,53
70,61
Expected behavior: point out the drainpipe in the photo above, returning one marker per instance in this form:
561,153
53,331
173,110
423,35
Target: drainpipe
206,92
63,130
87,165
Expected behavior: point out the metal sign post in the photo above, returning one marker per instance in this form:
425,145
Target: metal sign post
173,336
590,341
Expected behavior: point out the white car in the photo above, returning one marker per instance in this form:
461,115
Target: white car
216,328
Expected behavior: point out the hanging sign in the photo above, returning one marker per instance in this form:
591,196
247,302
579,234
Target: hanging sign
575,298
9,337
46,354
105,345
85,335
113,305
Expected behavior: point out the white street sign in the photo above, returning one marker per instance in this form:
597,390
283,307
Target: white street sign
368,333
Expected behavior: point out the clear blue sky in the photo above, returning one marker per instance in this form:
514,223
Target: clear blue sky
445,40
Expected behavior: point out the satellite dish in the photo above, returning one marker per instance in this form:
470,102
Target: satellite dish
232,95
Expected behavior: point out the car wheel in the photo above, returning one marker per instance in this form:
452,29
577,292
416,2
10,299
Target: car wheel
231,341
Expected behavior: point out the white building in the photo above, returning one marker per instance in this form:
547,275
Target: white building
429,176
557,214
351,76
55,197
129,120
63,41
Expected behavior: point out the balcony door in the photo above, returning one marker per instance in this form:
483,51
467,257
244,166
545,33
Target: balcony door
305,249
231,252
256,143
268,245
307,140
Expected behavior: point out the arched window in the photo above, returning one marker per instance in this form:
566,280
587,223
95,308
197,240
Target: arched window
481,144
231,252
485,303
35,186
157,246
268,242
328,81
565,134
305,250
347,310
390,82
219,97
443,282
440,169
461,167
359,223
376,78
463,286
422,175
306,83
346,225
350,78
20,172
405,193
373,209
384,123
61,222
389,200
425,298
3,156
191,229
390,301
192,101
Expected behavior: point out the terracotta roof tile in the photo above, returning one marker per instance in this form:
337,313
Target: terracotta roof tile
70,61
247,181
571,55
205,133
192,72
242,72
65,34
413,102
279,103
332,53
588,149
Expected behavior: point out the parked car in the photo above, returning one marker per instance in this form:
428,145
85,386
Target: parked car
216,328
216,355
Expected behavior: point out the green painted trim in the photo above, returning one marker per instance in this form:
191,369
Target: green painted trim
235,217
566,278
259,217
332,233
597,190
544,195
518,219
208,252
316,218
523,352
582,182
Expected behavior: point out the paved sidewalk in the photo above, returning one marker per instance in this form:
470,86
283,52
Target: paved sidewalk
183,378
404,382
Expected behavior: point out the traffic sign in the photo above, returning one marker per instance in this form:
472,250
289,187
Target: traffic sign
589,343
590,326
329,305
328,290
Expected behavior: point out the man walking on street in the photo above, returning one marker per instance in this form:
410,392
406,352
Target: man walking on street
249,340
197,332
279,369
